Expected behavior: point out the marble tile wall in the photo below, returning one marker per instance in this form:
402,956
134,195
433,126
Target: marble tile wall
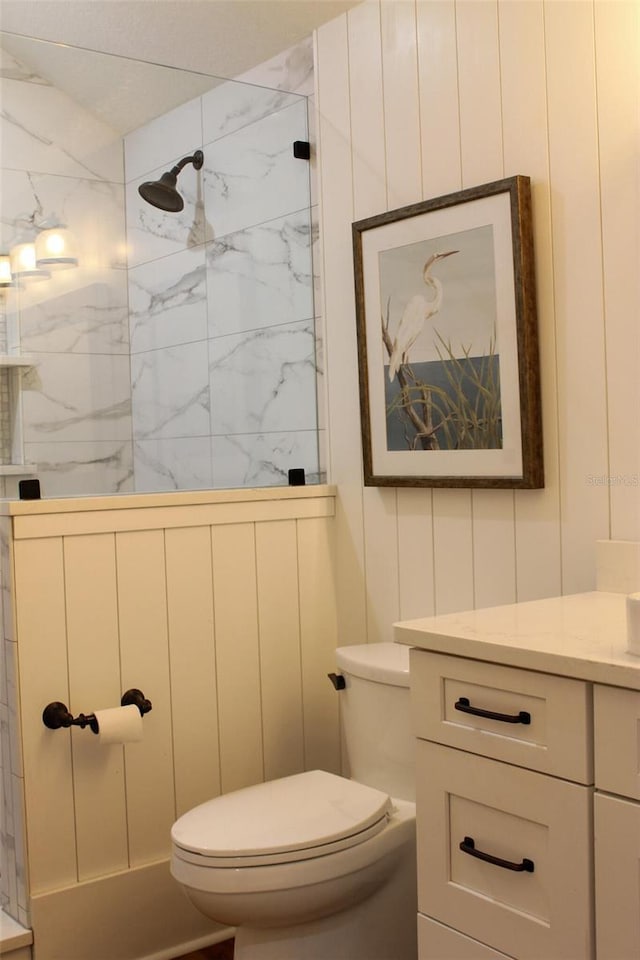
59,161
222,315
13,888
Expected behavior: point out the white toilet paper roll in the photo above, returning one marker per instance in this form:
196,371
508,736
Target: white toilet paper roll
633,623
119,724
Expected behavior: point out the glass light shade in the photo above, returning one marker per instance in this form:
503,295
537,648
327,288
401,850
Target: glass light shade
55,249
6,280
23,263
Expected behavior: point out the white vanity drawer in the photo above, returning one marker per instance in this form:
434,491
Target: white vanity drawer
525,820
536,720
617,870
437,942
617,740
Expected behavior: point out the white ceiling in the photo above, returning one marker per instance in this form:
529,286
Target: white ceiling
219,37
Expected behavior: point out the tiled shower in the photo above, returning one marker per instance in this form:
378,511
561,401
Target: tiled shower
182,351
221,296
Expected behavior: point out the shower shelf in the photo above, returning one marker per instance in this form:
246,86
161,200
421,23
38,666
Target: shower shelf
18,363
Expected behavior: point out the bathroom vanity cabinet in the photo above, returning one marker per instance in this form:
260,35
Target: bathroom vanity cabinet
528,781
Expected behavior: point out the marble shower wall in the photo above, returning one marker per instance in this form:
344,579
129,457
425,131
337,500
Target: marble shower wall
221,298
58,160
13,887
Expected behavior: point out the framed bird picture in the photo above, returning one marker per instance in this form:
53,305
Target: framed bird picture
447,341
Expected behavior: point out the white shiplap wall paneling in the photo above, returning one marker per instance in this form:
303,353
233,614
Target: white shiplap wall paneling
318,640
372,131
237,655
577,245
450,522
549,90
440,130
144,657
439,97
401,102
494,548
404,185
439,144
280,667
94,683
42,650
482,161
194,678
479,84
452,550
415,553
367,113
524,95
229,629
381,561
617,50
345,458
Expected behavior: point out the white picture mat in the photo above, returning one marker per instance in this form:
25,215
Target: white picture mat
493,210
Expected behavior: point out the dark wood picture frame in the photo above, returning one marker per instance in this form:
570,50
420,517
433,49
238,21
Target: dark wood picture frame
457,404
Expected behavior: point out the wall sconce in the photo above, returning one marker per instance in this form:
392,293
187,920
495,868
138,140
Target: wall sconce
6,280
22,259
55,249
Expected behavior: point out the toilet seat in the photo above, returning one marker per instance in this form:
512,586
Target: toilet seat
301,817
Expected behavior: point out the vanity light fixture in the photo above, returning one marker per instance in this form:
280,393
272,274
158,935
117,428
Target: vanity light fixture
6,279
22,258
55,249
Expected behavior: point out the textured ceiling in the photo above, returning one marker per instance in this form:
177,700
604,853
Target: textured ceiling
222,38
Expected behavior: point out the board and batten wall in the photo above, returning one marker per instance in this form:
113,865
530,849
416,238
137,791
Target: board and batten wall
219,607
420,99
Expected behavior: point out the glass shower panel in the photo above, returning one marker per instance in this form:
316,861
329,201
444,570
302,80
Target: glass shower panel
180,352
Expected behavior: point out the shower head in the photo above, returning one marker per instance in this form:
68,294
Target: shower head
162,193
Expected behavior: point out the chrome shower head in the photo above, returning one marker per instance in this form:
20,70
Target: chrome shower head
162,193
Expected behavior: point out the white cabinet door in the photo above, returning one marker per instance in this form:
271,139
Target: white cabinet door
617,870
617,740
534,903
437,942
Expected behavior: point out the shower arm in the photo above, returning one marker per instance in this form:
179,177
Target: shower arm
197,160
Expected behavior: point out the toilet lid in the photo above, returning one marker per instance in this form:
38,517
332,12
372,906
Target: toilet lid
288,819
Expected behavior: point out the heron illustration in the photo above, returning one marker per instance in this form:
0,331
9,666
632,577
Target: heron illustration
415,315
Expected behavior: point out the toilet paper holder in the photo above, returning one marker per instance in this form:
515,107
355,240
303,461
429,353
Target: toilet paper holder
56,715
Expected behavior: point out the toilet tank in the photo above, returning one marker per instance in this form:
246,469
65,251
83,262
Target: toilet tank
374,705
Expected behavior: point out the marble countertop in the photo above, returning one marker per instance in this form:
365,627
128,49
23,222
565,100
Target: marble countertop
582,636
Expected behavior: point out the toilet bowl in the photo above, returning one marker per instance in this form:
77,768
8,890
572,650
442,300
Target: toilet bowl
313,844
308,867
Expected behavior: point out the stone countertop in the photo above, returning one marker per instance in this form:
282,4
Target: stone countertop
583,636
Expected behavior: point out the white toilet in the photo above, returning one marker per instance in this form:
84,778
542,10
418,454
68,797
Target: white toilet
316,866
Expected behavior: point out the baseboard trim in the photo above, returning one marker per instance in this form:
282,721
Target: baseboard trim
139,914
192,947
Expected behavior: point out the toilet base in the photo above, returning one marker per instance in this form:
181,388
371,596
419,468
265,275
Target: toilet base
382,927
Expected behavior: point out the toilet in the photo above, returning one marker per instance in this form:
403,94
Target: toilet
317,866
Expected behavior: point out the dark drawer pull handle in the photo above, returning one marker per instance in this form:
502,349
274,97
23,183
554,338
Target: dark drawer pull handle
468,846
464,705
